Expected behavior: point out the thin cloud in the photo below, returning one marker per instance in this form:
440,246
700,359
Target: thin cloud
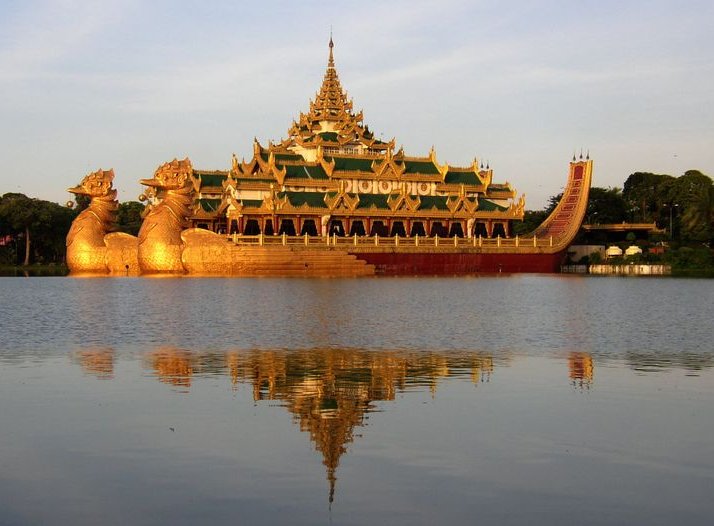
37,38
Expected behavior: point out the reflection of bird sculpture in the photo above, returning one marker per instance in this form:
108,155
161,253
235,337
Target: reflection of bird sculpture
160,243
86,250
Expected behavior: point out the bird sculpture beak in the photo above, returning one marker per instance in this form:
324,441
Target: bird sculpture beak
149,182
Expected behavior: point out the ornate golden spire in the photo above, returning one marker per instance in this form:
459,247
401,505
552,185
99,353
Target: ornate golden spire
330,120
331,102
331,60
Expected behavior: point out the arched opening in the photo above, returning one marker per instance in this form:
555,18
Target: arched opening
418,229
480,230
287,227
398,229
269,227
336,228
252,227
308,227
437,229
379,229
357,228
456,229
499,230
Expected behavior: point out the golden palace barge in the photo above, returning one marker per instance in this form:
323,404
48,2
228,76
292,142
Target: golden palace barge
329,200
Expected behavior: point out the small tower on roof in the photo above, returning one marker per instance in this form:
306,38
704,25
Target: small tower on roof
330,121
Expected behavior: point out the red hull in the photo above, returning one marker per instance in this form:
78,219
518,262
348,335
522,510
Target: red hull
396,264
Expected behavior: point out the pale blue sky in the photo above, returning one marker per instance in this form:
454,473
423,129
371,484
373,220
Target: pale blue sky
130,84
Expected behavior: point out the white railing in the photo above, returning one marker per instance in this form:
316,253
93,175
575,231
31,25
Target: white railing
352,151
394,241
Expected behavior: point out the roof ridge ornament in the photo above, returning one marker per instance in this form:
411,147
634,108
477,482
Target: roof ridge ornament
331,59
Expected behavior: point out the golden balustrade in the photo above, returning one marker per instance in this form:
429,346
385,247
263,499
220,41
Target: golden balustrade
436,242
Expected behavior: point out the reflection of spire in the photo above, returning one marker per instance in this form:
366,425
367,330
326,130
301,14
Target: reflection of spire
329,391
332,479
330,429
580,365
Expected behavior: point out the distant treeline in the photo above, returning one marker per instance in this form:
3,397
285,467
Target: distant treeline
34,231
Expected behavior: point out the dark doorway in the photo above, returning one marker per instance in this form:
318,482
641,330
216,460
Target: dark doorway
378,229
398,229
202,225
456,230
499,230
437,229
480,230
287,227
418,229
269,227
357,228
308,227
336,228
252,227
234,227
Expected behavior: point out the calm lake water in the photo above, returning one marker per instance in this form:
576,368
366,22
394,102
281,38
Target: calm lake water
490,400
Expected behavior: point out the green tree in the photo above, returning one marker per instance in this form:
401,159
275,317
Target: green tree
129,217
531,220
646,195
606,205
42,225
18,215
81,202
54,221
693,193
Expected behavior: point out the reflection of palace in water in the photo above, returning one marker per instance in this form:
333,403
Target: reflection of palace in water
328,391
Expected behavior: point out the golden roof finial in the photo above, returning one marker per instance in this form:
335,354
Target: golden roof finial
331,60
330,105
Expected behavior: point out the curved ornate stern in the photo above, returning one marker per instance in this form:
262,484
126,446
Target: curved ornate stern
563,223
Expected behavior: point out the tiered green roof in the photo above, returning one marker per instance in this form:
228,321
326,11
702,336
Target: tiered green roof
373,201
437,202
351,164
209,205
311,199
330,147
421,167
366,201
304,171
454,177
